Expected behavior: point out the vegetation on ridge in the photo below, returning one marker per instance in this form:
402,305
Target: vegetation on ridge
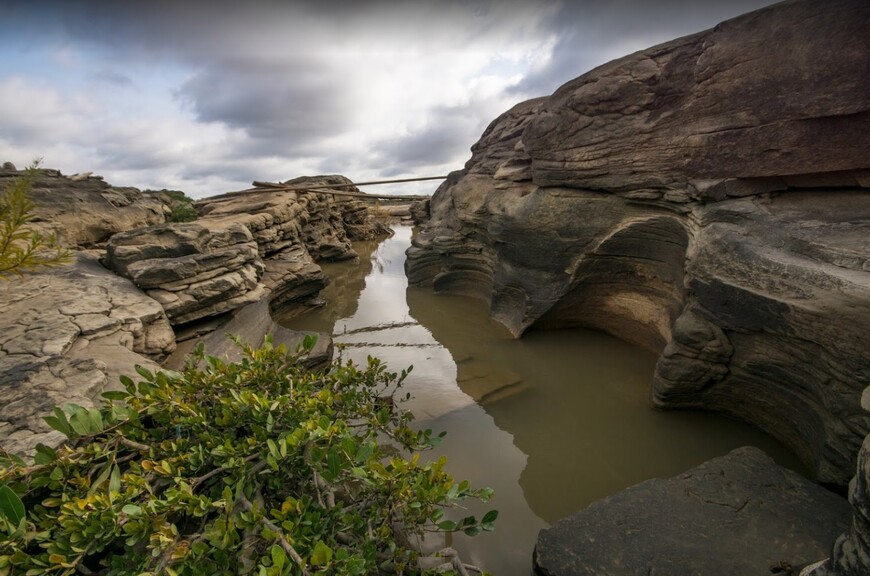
254,467
182,207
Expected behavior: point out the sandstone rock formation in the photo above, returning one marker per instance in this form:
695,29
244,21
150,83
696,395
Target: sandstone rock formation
67,335
709,199
84,210
192,270
748,273
737,514
244,247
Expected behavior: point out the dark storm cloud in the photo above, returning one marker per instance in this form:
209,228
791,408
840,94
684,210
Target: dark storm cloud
276,83
282,105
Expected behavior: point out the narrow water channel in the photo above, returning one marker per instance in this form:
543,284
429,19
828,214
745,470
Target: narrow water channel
551,422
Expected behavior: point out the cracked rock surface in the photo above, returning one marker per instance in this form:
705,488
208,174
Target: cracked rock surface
66,335
737,514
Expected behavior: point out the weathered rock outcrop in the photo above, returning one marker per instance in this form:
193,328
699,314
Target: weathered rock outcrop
731,238
709,199
243,247
83,210
193,270
737,514
67,335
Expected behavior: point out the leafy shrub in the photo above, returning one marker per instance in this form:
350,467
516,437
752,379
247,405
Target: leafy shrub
254,467
182,207
23,249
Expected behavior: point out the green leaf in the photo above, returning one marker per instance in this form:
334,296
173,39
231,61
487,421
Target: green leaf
171,374
107,469
131,510
115,480
116,394
59,422
447,525
489,517
144,373
321,555
11,506
44,455
364,453
279,557
96,421
308,342
333,465
273,448
80,423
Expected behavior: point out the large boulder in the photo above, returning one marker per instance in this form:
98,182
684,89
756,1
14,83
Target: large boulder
736,514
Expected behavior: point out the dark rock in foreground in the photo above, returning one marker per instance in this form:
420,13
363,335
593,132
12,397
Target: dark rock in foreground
739,514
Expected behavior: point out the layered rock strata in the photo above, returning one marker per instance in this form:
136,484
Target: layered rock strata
244,247
709,199
191,269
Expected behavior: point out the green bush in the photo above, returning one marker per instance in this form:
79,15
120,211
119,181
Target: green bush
182,207
254,467
23,249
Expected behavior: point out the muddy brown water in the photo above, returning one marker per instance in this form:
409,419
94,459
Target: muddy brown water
551,422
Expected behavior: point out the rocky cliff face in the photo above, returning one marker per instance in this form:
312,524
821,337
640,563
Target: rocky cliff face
709,199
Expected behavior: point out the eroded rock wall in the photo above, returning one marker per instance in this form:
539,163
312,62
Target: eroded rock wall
707,199
244,247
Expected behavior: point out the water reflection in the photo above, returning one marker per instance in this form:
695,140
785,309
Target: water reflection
552,421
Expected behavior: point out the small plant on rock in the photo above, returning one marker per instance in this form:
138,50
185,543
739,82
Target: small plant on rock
21,248
255,467
182,207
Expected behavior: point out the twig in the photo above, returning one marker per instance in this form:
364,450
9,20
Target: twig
288,548
133,444
454,560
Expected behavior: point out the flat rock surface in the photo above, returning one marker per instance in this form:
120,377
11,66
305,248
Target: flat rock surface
66,335
740,514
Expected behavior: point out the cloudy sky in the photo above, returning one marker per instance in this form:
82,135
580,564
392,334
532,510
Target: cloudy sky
207,96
